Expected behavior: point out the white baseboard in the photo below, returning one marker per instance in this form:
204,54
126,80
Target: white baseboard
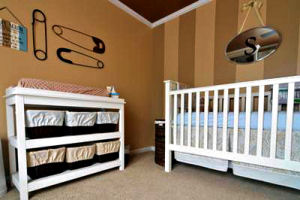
142,150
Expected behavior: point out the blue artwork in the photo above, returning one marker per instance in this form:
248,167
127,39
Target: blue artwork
13,35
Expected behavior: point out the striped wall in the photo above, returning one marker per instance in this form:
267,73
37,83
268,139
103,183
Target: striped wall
194,43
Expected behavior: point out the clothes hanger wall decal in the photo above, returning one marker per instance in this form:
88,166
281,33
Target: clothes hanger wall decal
99,63
39,17
99,44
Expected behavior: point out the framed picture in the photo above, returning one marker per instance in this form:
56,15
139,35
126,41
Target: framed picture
13,35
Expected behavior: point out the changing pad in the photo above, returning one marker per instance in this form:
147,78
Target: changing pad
61,87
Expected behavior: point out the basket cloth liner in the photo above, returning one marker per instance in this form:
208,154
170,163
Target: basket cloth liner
107,147
107,118
47,156
37,118
75,154
73,119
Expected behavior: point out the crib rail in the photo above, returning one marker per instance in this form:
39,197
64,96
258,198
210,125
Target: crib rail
182,102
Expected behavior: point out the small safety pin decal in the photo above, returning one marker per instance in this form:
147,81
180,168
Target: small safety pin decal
99,44
99,64
39,17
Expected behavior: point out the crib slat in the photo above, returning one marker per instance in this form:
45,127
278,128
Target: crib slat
260,119
248,118
215,125
289,121
189,119
274,121
182,119
197,118
236,118
175,120
206,102
225,116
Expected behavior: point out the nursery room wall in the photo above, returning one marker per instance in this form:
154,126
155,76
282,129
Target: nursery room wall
128,60
214,25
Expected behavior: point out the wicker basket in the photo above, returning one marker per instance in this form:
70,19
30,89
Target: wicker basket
46,162
78,123
160,142
106,122
44,123
107,151
80,155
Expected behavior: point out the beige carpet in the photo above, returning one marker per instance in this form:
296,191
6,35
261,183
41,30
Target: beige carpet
144,180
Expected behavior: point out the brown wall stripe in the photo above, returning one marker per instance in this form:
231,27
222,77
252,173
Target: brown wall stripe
187,48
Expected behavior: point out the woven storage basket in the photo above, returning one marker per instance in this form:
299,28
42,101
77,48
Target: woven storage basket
81,155
46,162
107,151
44,123
160,142
107,122
78,123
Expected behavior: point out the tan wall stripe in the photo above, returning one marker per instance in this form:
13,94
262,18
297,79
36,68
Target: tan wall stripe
205,44
226,28
187,48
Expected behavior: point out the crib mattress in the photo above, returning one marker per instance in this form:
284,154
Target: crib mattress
242,120
62,87
295,155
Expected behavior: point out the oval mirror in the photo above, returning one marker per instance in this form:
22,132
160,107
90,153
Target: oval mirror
253,45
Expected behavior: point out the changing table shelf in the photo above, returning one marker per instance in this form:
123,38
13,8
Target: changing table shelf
55,141
65,176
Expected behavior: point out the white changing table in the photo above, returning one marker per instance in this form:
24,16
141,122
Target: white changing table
18,98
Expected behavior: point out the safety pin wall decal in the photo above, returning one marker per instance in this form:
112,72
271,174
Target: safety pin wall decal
99,64
38,17
60,31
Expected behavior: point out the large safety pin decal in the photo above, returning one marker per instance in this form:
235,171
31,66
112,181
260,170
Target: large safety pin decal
99,44
38,17
99,64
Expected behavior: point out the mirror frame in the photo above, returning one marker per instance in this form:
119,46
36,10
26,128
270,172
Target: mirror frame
280,41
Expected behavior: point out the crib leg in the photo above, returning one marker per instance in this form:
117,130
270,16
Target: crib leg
168,161
122,144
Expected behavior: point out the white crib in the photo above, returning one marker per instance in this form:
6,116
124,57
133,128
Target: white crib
192,129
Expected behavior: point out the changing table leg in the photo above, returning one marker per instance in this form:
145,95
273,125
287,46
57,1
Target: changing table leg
168,161
22,160
122,146
11,133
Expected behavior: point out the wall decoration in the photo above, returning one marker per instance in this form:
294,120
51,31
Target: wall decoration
99,44
99,64
254,44
13,35
39,18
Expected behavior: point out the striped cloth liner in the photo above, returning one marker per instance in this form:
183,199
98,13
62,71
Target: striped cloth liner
61,87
